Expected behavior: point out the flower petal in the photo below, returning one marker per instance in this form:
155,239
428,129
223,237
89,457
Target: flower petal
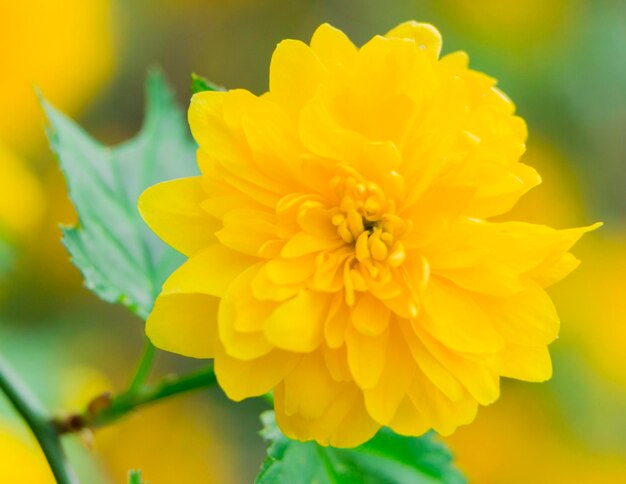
207,123
508,255
297,324
173,210
370,316
500,197
366,356
337,363
264,289
443,415
528,363
432,368
476,373
295,74
426,36
528,318
185,324
209,271
247,231
244,379
337,320
408,420
304,243
457,321
294,270
332,46
383,400
309,389
345,423
241,318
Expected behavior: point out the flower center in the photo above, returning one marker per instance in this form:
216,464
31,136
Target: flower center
367,219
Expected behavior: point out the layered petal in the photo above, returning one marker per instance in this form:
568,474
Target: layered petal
297,324
252,378
295,74
383,400
184,324
241,319
209,271
345,423
455,319
502,258
366,356
173,210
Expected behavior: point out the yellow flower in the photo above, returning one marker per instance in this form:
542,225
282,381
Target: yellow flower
21,460
339,232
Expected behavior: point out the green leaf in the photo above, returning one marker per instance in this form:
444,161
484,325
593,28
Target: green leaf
119,257
199,84
387,458
134,477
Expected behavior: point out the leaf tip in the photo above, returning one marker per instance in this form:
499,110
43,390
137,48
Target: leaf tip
200,83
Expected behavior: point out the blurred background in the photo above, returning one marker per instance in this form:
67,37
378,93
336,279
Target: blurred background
562,61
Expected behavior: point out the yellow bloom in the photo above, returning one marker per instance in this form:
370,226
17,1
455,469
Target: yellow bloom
21,460
339,231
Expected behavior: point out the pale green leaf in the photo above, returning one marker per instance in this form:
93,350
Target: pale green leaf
119,257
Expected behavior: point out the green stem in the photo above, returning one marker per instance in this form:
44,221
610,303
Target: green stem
34,415
143,370
130,400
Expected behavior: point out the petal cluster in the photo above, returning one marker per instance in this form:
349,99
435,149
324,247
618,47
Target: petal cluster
339,243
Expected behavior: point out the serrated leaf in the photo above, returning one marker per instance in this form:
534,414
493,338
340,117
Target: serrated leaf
387,458
200,83
119,257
